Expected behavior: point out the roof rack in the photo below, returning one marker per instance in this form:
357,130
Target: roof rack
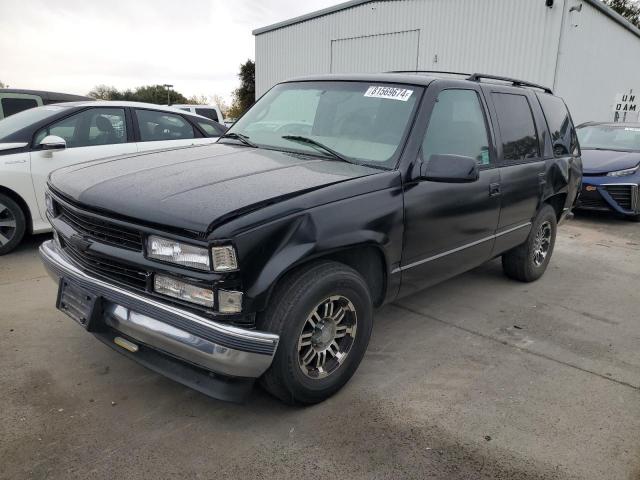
428,71
476,77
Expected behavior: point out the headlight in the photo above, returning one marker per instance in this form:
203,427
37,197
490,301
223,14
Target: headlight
183,291
179,253
48,200
623,173
224,258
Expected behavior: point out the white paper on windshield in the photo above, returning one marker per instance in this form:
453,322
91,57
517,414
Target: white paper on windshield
391,93
632,129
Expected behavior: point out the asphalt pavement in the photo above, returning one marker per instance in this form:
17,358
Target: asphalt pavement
480,377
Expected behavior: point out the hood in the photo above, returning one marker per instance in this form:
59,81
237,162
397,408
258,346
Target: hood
596,162
192,188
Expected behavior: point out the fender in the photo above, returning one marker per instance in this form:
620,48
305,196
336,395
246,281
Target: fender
563,176
267,253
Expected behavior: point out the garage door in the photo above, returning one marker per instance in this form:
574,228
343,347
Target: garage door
375,53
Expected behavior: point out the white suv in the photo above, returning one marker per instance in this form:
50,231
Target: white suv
37,141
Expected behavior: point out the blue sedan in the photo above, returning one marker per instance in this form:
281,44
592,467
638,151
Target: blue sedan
611,168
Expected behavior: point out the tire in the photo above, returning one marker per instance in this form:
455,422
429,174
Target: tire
289,314
635,218
526,263
12,224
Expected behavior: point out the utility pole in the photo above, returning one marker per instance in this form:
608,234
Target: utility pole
168,87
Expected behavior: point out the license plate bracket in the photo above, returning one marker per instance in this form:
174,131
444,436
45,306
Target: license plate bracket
80,304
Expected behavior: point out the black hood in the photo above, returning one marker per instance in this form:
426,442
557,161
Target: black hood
596,162
191,188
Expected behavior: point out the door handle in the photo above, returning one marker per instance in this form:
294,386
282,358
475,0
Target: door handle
494,189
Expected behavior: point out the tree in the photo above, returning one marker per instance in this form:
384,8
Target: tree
244,96
158,94
103,92
198,100
2,85
149,93
629,9
218,100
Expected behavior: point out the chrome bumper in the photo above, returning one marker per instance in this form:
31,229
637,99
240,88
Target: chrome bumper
214,346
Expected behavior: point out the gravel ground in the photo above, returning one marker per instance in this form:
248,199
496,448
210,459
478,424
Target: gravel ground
479,377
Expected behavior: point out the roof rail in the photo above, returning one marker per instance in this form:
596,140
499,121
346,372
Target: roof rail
476,77
428,71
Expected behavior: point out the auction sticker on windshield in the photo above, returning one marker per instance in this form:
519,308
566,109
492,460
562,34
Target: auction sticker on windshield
392,93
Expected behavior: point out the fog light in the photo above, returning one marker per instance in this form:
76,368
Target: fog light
183,291
229,302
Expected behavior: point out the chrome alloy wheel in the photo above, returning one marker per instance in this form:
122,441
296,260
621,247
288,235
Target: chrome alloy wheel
541,244
327,337
7,225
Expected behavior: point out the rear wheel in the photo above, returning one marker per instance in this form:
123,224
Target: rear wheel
635,218
529,261
12,224
323,314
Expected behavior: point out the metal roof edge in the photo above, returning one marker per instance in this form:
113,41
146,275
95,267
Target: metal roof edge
310,16
354,3
615,16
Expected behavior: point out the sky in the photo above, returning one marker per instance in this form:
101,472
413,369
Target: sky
73,45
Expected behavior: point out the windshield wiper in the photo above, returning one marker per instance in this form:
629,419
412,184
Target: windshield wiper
240,137
317,145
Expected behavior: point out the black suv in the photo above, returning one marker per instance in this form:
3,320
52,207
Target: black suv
264,255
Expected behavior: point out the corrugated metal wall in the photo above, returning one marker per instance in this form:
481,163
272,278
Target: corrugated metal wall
393,51
509,37
518,38
598,59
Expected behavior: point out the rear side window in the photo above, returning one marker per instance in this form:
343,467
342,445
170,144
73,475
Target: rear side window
211,128
208,113
457,127
15,105
155,126
517,127
563,134
89,128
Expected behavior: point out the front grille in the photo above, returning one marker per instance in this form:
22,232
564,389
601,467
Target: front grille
101,230
622,194
592,200
107,268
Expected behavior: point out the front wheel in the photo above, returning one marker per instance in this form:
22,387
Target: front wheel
324,315
12,224
529,261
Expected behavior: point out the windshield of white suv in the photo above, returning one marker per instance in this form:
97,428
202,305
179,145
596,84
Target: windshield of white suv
609,137
353,121
15,123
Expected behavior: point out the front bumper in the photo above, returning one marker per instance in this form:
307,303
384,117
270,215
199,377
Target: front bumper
194,340
610,194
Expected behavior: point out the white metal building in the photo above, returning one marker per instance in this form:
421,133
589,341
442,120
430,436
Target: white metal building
582,49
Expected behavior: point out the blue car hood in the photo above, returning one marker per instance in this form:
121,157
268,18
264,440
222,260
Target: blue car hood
603,161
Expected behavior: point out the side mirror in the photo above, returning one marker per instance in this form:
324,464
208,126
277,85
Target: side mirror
53,142
450,169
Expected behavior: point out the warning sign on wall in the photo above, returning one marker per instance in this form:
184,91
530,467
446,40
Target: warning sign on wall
626,107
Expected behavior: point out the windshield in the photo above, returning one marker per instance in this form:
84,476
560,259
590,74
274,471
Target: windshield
608,137
361,122
10,125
